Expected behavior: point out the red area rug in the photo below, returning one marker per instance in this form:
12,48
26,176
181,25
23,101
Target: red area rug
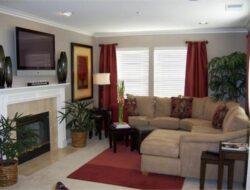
123,169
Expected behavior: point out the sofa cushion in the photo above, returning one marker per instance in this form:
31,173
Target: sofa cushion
145,105
219,116
236,119
188,123
198,107
131,107
207,129
162,106
162,142
138,120
181,107
165,122
210,108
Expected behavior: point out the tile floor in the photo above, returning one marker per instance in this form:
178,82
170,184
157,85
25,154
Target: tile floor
43,172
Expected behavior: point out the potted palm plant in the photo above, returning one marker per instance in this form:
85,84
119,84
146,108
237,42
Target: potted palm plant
227,76
10,148
79,121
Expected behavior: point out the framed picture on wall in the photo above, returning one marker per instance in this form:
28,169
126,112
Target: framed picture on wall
81,71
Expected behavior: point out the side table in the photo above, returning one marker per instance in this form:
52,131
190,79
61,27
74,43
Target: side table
98,124
115,132
106,115
230,155
208,157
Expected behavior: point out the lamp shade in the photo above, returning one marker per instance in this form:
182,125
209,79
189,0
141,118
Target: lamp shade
101,78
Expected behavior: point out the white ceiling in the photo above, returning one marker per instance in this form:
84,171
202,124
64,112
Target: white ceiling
112,17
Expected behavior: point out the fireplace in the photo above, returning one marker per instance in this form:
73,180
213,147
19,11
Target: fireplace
38,99
39,123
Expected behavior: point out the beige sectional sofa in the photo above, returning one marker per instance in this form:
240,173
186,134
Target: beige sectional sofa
175,146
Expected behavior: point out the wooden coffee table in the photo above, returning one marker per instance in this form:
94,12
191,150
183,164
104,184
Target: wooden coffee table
114,133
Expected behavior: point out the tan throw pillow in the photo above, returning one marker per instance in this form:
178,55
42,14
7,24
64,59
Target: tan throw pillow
162,106
131,107
181,107
219,116
144,105
198,107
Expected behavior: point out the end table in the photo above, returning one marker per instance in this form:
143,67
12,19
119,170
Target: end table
103,120
230,155
115,132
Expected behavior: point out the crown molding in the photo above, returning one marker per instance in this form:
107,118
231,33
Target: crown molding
26,16
23,15
172,32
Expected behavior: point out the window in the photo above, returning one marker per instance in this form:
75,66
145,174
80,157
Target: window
169,71
133,68
163,77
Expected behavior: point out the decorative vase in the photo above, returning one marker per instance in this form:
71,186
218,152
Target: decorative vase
2,80
62,68
120,113
121,101
8,71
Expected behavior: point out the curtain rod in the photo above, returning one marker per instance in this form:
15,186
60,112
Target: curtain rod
197,41
108,44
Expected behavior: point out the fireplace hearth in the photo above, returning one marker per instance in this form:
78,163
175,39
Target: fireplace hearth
39,123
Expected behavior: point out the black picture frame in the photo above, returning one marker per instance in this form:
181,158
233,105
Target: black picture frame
81,72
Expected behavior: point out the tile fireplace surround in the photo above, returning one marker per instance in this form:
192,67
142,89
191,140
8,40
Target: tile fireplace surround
34,100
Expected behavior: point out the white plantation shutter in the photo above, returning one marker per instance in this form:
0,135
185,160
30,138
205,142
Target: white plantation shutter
169,71
133,68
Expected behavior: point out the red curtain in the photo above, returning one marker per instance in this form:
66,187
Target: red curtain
108,93
196,82
248,77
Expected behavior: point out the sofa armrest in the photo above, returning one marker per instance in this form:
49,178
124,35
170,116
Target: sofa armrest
213,138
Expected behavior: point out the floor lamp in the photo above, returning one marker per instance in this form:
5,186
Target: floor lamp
101,79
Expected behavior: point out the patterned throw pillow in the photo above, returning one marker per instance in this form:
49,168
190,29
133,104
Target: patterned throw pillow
181,107
131,106
219,116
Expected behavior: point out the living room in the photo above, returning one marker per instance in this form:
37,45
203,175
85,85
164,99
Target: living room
133,26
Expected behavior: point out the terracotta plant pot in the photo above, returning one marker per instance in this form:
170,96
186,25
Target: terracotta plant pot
8,173
78,139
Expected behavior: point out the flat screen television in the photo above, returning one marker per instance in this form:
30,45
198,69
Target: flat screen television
35,52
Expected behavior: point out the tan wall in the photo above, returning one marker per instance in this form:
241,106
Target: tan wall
219,44
63,38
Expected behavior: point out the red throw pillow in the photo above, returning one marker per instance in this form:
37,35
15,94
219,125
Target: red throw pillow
219,116
131,106
181,107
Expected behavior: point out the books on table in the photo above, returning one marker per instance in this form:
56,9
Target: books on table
121,125
234,146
